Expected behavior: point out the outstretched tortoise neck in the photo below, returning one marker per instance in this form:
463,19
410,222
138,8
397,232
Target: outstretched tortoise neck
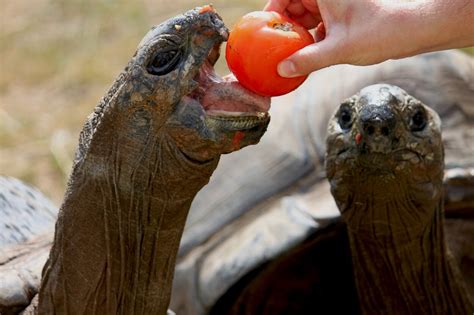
399,273
385,165
119,227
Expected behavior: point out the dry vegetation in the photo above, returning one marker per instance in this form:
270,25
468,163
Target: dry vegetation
57,58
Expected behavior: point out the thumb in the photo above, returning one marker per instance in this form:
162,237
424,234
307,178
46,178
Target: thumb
310,58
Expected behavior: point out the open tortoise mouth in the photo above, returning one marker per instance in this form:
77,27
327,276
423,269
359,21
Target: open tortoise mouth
224,98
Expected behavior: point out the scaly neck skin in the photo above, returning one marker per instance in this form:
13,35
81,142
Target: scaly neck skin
120,225
402,268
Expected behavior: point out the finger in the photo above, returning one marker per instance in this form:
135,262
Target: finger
311,6
309,59
308,20
320,33
296,9
277,5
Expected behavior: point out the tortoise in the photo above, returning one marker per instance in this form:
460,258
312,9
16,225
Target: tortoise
240,248
149,146
247,234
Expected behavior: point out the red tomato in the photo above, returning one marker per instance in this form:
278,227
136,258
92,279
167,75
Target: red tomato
257,43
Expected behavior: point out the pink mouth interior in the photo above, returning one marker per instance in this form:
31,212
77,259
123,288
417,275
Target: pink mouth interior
217,94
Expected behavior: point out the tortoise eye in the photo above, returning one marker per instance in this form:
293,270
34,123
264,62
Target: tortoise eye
164,62
345,117
418,120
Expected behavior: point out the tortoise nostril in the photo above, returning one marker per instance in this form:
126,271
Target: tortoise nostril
377,121
374,129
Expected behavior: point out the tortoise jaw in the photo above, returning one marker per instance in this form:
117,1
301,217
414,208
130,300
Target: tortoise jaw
218,115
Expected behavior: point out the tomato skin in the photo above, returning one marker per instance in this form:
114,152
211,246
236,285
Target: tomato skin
257,43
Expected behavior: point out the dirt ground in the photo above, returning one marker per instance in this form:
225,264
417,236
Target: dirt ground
57,59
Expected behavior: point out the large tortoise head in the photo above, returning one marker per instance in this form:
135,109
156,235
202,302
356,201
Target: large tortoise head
385,145
170,87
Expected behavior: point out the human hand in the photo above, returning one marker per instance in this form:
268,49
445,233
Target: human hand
365,32
352,32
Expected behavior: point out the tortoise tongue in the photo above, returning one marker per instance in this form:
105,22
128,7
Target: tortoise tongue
226,94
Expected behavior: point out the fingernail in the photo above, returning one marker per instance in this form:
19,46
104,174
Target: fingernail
287,69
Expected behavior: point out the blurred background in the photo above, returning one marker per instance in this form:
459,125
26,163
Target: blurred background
57,59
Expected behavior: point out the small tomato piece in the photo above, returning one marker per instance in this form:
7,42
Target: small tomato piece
257,43
206,8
